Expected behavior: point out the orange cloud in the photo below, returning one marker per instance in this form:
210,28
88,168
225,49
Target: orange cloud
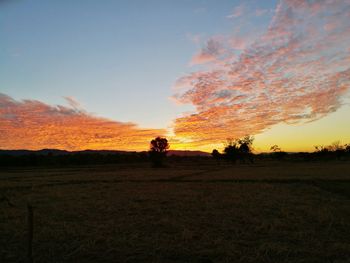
31,124
295,72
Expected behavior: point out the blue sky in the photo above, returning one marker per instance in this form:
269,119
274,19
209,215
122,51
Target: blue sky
119,59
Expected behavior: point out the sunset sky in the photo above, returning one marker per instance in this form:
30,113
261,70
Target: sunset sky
94,74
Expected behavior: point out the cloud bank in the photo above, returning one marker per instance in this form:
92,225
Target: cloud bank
31,124
297,71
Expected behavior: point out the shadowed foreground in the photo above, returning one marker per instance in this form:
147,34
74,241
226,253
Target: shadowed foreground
277,212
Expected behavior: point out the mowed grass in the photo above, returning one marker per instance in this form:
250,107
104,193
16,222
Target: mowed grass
201,212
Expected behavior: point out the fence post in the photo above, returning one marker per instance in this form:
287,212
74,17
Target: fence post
30,224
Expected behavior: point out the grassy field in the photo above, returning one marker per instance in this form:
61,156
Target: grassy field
200,212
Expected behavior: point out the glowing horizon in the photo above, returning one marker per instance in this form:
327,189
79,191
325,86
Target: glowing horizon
34,125
280,72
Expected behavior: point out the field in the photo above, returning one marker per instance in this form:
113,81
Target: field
199,212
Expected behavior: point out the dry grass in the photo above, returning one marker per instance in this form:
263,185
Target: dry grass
200,213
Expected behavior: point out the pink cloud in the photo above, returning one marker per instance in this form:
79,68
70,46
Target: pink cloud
31,124
295,72
209,52
202,58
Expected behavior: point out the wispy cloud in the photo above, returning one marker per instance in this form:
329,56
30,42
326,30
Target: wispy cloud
194,38
74,103
208,53
296,72
261,12
32,124
237,11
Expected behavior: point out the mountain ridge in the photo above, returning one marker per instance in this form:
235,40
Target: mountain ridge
102,152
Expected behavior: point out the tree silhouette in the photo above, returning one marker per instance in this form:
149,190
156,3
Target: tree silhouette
338,149
321,149
216,155
245,148
246,142
335,150
275,148
277,152
239,149
158,151
232,152
347,148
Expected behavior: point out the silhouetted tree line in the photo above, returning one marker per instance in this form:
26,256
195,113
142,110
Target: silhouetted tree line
241,150
75,158
235,151
334,151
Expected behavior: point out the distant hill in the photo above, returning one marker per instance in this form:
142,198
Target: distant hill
187,153
102,152
28,152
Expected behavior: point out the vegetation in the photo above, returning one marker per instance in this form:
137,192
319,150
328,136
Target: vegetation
239,149
235,151
335,150
158,151
10,159
242,150
277,152
216,154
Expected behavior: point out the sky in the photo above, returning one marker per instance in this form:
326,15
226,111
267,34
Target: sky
94,74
